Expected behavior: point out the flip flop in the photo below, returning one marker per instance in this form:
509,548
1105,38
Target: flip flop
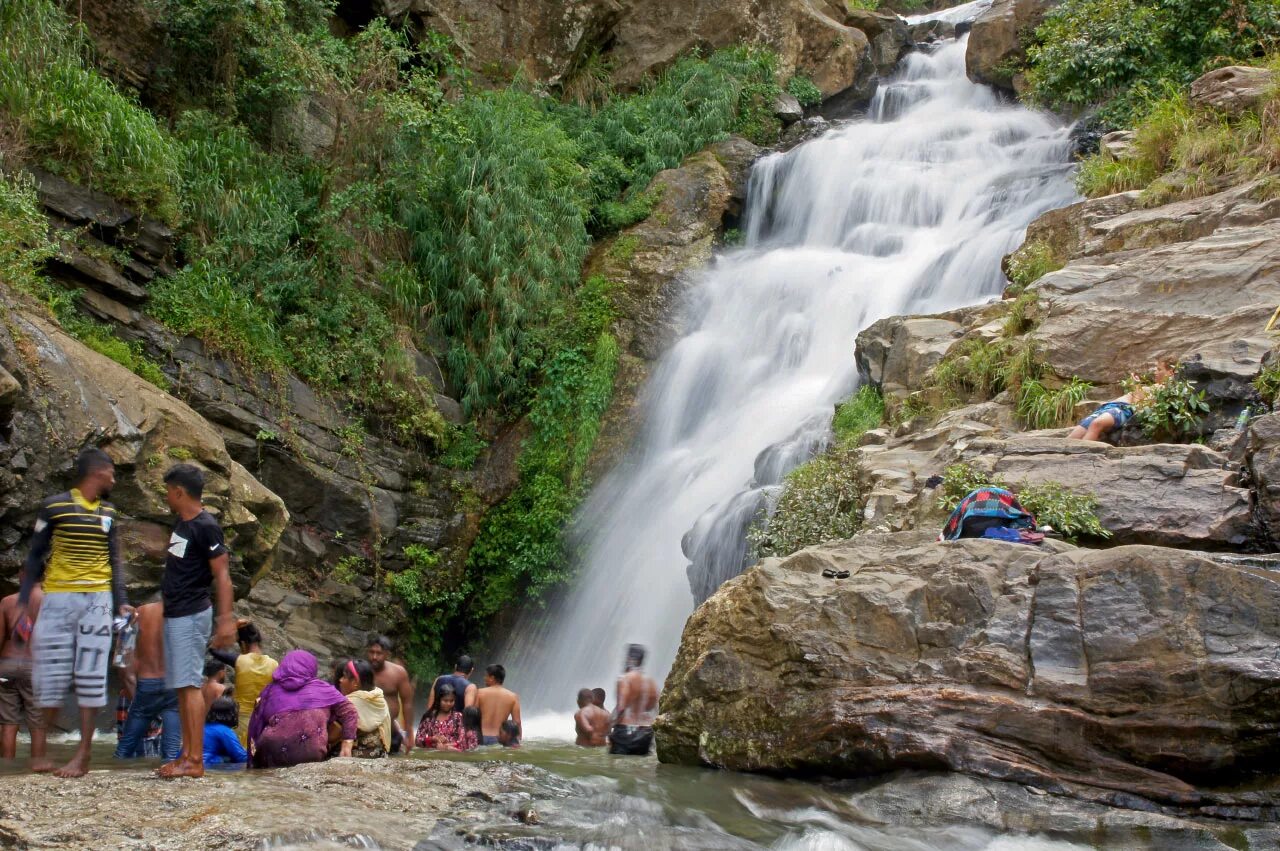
843,574
828,573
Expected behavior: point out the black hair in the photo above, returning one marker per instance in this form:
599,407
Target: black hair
599,695
249,634
635,655
213,667
498,672
223,711
91,461
445,689
512,729
585,696
471,718
364,673
188,477
382,641
465,664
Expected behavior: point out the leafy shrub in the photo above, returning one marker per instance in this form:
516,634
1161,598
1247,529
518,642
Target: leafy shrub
127,354
1173,410
246,61
857,415
1042,406
24,239
804,90
821,501
1121,51
1268,382
1073,515
520,549
1031,262
499,237
74,120
981,369
913,406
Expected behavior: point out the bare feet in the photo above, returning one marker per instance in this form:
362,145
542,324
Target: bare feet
168,768
43,765
78,767
186,768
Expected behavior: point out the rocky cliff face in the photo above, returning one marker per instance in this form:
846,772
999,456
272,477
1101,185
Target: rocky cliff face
997,42
1135,676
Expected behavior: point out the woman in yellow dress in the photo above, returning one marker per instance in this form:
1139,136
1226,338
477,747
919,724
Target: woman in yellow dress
253,672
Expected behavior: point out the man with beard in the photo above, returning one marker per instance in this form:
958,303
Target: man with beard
396,687
76,555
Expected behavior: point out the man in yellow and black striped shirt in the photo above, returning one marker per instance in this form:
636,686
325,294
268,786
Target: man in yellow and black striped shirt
76,555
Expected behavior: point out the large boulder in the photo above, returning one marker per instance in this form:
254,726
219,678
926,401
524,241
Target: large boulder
1114,314
897,353
555,42
1233,89
72,397
1135,675
997,42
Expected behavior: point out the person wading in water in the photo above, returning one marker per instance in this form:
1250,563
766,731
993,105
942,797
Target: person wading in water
632,733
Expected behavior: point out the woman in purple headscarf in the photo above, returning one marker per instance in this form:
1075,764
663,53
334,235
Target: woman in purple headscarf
290,724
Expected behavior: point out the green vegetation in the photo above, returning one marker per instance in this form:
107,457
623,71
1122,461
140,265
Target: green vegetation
1073,515
520,547
1031,262
804,90
440,217
857,415
1120,53
1180,151
1268,382
1041,405
821,501
1174,411
72,119
24,240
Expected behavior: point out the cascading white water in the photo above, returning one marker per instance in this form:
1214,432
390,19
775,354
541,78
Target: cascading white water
906,211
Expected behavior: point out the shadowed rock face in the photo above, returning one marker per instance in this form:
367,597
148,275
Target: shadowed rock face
1129,675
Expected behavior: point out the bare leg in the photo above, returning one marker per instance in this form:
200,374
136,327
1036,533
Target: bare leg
192,712
79,764
1100,427
1077,433
39,739
8,741
40,763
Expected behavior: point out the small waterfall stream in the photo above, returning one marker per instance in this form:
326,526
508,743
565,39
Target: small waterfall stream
908,210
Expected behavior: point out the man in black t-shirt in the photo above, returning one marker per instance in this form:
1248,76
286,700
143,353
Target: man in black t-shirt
197,559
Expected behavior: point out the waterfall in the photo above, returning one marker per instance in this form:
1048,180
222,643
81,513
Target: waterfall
908,210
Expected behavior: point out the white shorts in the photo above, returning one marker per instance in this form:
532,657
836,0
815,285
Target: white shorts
71,646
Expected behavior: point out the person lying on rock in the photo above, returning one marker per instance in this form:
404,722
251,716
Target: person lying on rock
983,509
1114,414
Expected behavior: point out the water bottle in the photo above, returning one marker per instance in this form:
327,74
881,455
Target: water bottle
1243,419
126,640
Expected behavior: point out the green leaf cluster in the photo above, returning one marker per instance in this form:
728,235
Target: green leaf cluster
1174,410
821,500
804,90
1121,52
857,415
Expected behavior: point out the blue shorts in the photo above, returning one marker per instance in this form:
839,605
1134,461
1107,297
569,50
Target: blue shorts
1121,412
185,641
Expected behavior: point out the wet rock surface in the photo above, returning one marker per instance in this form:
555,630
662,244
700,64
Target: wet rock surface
1135,676
390,804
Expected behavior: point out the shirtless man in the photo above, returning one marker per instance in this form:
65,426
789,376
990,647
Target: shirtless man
632,733
496,703
397,689
152,699
16,698
591,721
215,682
